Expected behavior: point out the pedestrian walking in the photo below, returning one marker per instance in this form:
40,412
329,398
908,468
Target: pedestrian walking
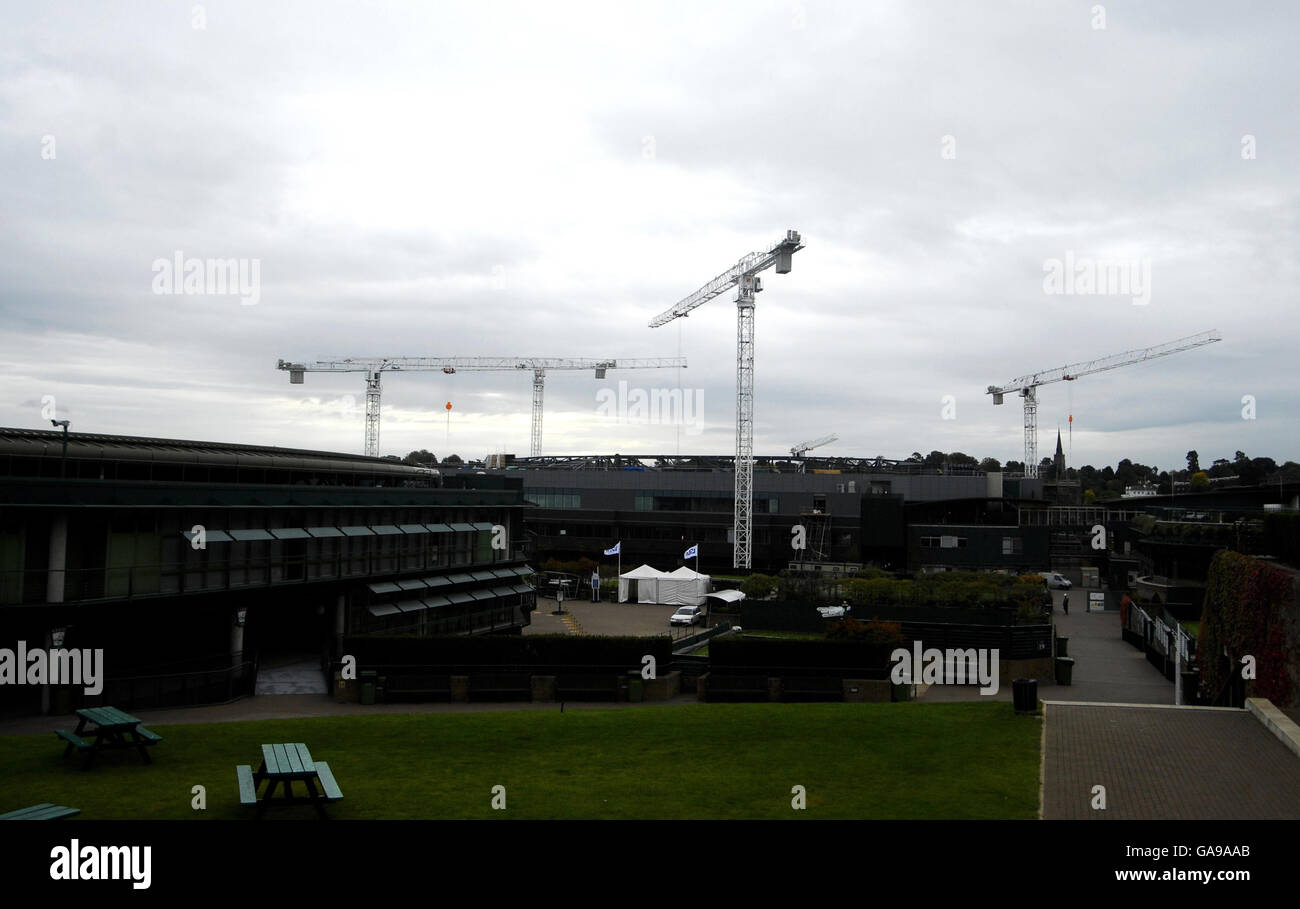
1065,603
595,586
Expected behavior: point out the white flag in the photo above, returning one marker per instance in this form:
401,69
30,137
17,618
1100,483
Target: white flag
615,550
692,552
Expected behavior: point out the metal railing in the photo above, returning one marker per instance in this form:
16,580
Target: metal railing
31,586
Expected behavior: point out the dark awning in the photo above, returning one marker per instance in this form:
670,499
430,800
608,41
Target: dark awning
248,536
209,536
290,533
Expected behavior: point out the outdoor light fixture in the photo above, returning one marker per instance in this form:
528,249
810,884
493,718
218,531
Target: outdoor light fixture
56,637
241,614
63,465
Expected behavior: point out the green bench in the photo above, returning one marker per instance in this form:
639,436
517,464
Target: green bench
148,735
282,766
73,740
46,811
330,788
247,788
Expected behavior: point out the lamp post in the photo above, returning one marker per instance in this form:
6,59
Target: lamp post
63,464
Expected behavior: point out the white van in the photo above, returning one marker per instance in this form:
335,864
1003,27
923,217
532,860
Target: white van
1056,580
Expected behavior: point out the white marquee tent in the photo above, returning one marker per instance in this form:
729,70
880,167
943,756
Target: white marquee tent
683,587
647,584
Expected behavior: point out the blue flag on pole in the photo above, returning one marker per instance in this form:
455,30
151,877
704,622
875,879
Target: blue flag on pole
692,552
615,550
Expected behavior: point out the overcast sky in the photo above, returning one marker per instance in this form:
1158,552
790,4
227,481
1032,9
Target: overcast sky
492,179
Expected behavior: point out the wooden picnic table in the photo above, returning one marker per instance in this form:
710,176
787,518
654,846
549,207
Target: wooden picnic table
46,811
113,729
283,765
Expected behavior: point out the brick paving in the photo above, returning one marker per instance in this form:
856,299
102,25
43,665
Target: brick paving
1166,763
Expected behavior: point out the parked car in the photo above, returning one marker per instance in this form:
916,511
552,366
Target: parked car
1056,580
687,615
834,612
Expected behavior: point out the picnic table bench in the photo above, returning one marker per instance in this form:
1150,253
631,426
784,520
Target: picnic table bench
46,811
113,729
284,765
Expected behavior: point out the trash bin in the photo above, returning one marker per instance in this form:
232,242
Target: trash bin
1062,646
1064,670
636,690
901,692
369,682
1024,694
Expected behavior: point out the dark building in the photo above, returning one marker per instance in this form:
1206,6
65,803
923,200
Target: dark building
179,556
852,510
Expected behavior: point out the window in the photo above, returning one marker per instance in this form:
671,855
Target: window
1013,546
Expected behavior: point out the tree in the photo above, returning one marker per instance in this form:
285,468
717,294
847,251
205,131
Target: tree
1089,496
1014,467
453,459
759,586
1200,480
1193,461
421,458
991,465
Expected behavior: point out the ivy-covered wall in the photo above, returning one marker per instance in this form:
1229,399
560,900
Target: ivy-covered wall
1250,608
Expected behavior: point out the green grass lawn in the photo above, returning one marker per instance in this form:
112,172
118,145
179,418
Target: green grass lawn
904,760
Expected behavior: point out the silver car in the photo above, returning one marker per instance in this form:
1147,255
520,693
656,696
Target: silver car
687,615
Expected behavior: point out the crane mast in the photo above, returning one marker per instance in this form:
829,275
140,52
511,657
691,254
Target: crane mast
375,367
744,277
1027,386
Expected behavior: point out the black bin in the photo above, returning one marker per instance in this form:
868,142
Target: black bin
1064,670
1024,694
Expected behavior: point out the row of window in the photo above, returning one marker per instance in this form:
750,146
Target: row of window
1010,545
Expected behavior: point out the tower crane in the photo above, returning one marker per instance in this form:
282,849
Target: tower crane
1027,386
802,448
744,277
375,367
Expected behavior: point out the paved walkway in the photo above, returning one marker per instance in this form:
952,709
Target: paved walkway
1105,667
1166,763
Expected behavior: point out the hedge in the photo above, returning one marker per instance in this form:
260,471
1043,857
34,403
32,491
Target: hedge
508,650
1282,537
744,652
1246,607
